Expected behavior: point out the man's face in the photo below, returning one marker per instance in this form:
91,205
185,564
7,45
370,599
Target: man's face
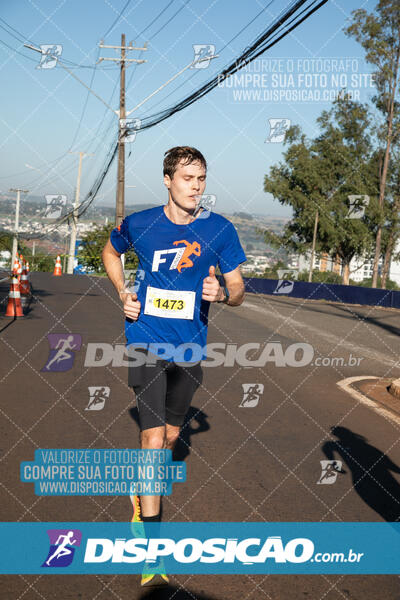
187,184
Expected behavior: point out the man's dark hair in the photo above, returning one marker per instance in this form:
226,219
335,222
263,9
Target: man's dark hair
175,155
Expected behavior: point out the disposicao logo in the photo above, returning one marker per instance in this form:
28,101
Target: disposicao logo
62,351
193,550
62,547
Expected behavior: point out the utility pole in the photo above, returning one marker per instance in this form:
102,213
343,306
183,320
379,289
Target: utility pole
15,238
120,197
122,113
65,252
74,226
120,202
310,273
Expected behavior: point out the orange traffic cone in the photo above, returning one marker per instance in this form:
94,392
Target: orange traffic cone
57,269
16,266
25,286
14,308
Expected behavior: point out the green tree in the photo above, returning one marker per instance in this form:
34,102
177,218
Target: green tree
390,285
316,178
272,271
6,243
321,277
41,262
92,246
379,35
391,231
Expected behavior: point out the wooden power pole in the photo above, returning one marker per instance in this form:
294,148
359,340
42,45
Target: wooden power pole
120,200
15,236
120,197
75,214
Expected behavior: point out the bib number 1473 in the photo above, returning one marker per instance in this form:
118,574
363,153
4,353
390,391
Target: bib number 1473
170,304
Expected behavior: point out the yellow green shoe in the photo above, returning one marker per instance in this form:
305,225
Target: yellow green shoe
153,579
137,513
137,526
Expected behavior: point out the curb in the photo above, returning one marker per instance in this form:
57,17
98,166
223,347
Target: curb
394,388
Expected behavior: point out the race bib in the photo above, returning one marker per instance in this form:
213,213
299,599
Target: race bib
172,304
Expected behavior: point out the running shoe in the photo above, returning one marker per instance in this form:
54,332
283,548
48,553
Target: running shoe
136,509
137,526
153,579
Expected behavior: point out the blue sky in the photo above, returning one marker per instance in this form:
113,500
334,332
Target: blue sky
42,108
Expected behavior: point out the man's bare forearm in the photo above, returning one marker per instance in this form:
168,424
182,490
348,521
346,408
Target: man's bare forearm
113,265
236,294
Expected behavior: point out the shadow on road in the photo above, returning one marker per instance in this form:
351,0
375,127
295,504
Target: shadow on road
10,321
40,292
182,447
81,294
194,415
170,591
351,312
370,469
373,321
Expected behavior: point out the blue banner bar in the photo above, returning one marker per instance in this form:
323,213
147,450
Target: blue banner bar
349,294
226,548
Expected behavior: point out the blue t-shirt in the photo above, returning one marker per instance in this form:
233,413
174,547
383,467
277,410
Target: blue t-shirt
175,257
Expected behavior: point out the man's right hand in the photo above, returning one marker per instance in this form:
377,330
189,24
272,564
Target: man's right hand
131,304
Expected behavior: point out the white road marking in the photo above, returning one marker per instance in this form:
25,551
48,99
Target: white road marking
345,384
329,337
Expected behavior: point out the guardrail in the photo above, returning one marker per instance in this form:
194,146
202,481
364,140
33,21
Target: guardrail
348,294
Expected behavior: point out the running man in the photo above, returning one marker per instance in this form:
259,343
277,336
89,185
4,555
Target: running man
178,246
62,549
62,354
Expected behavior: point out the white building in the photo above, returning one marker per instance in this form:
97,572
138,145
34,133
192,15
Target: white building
394,273
256,263
5,256
360,268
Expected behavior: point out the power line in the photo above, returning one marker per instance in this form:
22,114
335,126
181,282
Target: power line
117,19
155,34
84,205
281,27
86,100
258,47
155,19
197,71
132,75
22,39
96,65
261,44
17,51
173,16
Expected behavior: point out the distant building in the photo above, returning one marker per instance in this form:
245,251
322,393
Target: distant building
256,263
360,268
394,273
5,256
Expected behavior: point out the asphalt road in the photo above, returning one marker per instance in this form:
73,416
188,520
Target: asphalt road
244,463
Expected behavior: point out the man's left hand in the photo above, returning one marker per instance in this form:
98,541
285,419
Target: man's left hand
212,291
